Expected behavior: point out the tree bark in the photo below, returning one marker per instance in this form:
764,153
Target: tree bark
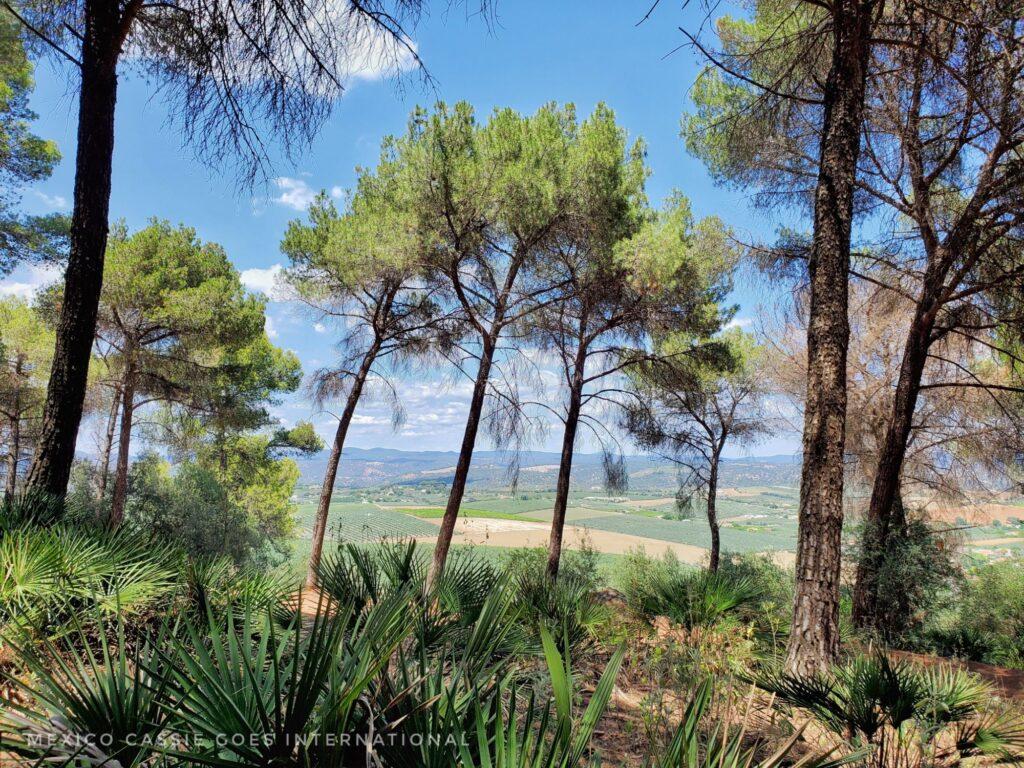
814,639
327,490
123,449
13,458
451,512
886,488
572,420
716,534
83,279
108,445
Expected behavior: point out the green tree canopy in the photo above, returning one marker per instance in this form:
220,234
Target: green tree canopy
26,345
172,312
24,158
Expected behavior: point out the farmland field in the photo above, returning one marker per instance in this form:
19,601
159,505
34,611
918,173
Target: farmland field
753,519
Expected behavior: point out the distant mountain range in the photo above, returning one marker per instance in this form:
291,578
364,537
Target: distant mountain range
538,470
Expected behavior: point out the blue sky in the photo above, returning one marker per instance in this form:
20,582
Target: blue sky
534,52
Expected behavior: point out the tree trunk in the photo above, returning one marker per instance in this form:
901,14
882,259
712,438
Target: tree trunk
814,641
886,489
327,490
716,533
451,512
123,449
12,459
108,445
572,420
83,278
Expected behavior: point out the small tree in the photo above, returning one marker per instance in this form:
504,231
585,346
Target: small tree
689,414
361,269
488,201
236,73
171,305
626,280
26,344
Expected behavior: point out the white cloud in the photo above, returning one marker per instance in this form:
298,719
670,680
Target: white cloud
295,193
336,192
269,327
365,420
320,328
26,280
53,202
263,280
366,52
739,322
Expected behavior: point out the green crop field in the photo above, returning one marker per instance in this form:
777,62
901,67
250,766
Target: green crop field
436,513
694,532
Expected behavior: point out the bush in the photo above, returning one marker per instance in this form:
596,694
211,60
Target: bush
901,714
192,509
988,623
580,564
689,597
918,572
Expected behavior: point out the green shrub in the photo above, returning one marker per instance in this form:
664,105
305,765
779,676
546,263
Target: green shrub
49,574
918,572
902,714
988,622
194,510
689,597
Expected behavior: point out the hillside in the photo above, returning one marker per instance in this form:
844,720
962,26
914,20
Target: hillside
364,468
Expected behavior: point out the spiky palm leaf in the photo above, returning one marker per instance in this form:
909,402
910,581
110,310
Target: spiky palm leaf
92,709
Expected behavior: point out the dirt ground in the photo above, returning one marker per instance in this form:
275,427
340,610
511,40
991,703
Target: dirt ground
522,533
975,514
516,533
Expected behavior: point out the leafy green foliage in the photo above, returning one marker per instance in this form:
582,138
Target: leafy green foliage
515,730
26,349
192,507
100,707
918,571
903,714
48,574
24,158
690,597
986,621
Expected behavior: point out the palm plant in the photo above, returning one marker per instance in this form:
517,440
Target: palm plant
32,507
212,587
100,708
432,688
49,573
691,598
363,575
565,606
723,746
904,715
514,730
254,694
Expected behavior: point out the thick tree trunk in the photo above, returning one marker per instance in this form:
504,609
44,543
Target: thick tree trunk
15,455
108,444
451,512
12,459
716,533
886,489
814,639
572,420
83,278
123,450
327,490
